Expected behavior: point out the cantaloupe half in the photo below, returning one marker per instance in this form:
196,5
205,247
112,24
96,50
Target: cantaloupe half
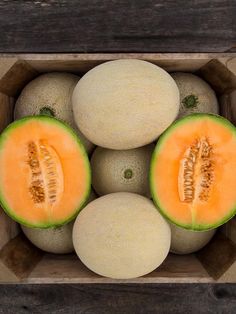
193,172
45,173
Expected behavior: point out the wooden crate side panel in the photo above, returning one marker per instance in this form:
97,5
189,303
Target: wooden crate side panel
229,229
20,257
230,63
229,275
84,66
8,228
69,269
6,110
14,75
6,275
219,75
228,110
218,256
228,106
189,62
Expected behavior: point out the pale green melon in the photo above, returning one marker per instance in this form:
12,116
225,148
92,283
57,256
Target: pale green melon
121,235
185,241
50,94
121,170
125,104
196,95
54,240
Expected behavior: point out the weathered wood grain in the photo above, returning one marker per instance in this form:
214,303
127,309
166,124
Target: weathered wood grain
125,299
20,256
69,269
14,74
218,263
83,62
105,25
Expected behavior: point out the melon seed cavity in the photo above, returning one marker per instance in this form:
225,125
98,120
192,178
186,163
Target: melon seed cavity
45,172
196,172
36,188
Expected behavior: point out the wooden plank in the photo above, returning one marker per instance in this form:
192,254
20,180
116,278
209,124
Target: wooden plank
228,106
6,110
117,299
230,63
14,74
229,275
229,229
6,275
219,76
104,25
228,110
9,229
69,269
218,256
20,256
84,62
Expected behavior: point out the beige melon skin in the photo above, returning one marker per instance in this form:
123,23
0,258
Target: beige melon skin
54,240
185,241
190,84
52,90
121,170
121,235
125,104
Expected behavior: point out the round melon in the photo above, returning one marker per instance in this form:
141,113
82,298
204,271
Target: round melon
50,94
121,235
125,104
45,172
196,95
193,172
185,241
56,240
121,170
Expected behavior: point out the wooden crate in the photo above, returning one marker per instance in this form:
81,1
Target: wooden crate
21,262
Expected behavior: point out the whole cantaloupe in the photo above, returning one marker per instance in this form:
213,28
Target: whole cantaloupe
185,241
51,94
121,235
54,240
125,104
196,95
121,170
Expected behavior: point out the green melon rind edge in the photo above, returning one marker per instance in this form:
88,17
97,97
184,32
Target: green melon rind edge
162,138
4,135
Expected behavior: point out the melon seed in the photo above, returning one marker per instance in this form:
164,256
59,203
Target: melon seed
43,186
192,184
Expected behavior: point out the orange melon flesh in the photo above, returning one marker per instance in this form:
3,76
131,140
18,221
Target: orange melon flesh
45,172
202,197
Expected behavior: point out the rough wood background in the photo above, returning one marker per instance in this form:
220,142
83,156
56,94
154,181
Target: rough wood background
119,299
117,25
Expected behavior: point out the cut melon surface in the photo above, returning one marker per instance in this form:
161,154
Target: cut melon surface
45,172
193,172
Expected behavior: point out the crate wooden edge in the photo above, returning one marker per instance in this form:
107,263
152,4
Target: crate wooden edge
19,67
68,61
